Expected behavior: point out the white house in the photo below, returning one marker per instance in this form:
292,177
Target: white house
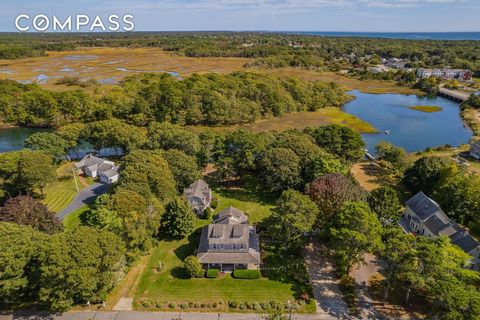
94,167
424,217
475,149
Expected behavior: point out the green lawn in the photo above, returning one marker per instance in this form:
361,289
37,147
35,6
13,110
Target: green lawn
256,206
60,193
73,220
164,282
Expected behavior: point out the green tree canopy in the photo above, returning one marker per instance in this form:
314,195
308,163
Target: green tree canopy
296,215
384,202
184,168
48,142
428,173
178,219
280,169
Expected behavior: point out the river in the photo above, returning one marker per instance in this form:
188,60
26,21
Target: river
410,129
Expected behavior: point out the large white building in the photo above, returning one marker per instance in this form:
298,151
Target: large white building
94,167
460,74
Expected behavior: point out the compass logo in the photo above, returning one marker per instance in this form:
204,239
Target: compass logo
80,22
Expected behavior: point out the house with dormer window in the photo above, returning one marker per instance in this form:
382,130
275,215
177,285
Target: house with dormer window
229,243
424,217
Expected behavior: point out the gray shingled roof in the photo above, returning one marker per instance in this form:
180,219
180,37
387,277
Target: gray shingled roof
90,161
198,189
464,240
230,215
435,224
423,206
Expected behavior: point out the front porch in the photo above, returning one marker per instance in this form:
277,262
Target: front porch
225,267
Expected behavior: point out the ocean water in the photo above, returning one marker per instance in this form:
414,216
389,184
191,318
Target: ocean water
399,35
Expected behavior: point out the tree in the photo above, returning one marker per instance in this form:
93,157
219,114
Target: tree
184,168
147,173
330,192
339,140
28,211
280,169
19,245
398,256
72,134
355,232
48,142
322,164
427,173
459,197
393,160
193,267
35,170
384,202
178,219
79,266
296,214
168,136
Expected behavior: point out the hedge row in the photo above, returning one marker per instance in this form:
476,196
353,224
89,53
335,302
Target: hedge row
246,274
212,273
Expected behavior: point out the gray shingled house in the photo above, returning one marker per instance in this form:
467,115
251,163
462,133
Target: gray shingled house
199,196
424,217
229,243
95,167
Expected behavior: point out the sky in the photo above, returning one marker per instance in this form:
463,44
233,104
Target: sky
269,15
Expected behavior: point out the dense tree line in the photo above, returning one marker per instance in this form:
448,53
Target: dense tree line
270,49
210,99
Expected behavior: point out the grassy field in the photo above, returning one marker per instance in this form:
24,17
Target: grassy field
73,220
428,109
60,193
301,120
163,281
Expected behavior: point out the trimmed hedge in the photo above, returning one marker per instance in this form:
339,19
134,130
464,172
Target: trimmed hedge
212,273
246,274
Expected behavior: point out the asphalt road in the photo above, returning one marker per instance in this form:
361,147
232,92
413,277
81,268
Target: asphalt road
85,196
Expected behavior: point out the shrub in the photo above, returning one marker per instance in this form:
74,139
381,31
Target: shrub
242,306
193,267
214,305
214,203
196,306
158,305
246,274
190,304
146,303
208,213
233,304
172,305
184,306
265,306
249,305
212,273
257,306
203,305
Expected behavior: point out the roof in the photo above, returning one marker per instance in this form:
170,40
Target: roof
230,215
435,224
89,161
198,189
228,233
110,173
476,143
424,207
464,240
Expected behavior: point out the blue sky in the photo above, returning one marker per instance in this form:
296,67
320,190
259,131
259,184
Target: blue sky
274,15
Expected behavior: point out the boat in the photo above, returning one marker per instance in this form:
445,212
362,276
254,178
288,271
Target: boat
387,131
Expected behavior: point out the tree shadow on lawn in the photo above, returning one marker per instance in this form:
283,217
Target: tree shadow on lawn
185,250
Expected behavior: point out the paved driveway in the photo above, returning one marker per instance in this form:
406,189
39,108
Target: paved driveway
85,196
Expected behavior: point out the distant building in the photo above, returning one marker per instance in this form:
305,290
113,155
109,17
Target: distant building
199,196
395,63
475,149
94,167
424,217
229,243
448,74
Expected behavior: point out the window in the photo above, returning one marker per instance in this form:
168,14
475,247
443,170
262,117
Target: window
242,247
214,246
